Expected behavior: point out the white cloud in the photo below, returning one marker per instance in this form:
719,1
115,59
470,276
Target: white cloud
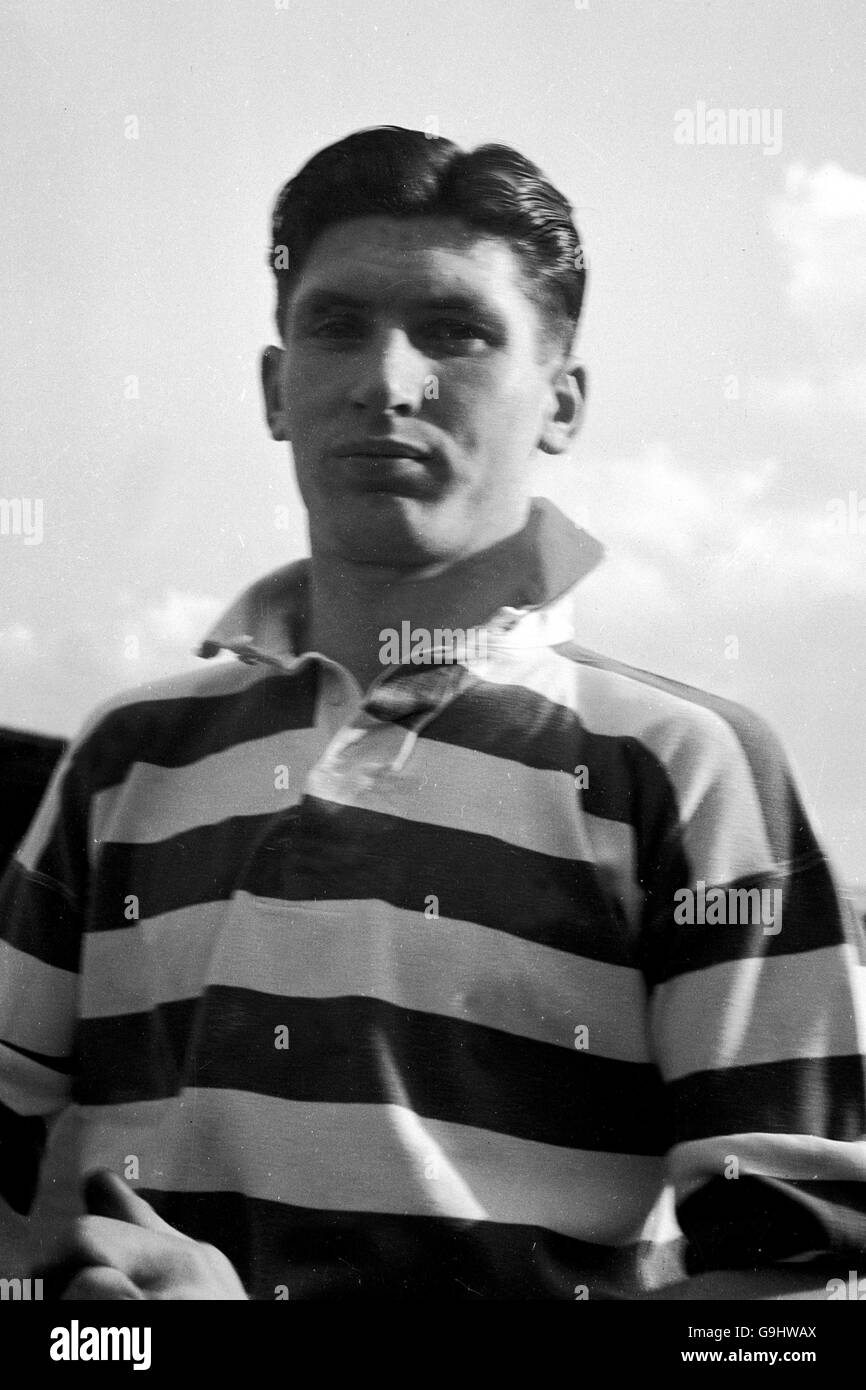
838,391
734,536
18,640
181,619
820,223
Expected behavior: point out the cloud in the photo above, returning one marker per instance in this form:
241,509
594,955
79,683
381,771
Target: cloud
820,224
17,641
81,655
840,390
681,534
180,619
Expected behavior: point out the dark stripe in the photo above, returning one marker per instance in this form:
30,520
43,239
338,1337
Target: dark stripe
346,1051
810,920
38,918
63,861
344,1255
625,781
321,850
22,1143
788,830
178,732
751,1221
822,1096
27,762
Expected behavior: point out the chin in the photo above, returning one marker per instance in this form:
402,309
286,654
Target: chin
397,533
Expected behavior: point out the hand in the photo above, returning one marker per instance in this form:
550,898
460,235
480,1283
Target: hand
122,1250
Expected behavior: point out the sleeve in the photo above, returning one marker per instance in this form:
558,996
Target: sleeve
42,903
755,968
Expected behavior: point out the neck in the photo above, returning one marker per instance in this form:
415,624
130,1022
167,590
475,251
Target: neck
352,604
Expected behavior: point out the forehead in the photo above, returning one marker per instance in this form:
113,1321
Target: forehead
390,259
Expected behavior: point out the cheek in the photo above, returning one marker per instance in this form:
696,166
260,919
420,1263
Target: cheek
487,407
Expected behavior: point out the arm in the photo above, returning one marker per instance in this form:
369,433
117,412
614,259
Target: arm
759,1030
122,1248
40,930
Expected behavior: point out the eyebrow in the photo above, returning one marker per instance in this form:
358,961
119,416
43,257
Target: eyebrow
314,301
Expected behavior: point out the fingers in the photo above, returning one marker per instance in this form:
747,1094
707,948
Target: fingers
94,1242
108,1195
123,1250
101,1284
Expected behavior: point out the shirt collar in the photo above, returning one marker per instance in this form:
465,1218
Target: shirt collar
551,554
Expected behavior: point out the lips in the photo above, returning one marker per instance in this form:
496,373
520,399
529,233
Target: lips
381,448
395,466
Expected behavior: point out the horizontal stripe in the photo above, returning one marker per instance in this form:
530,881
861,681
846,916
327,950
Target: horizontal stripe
810,920
322,852
283,1252
225,678
39,919
363,1051
755,1221
633,736
740,1013
796,1157
451,787
822,1096
172,732
430,965
376,1158
157,803
441,785
786,825
520,726
37,1003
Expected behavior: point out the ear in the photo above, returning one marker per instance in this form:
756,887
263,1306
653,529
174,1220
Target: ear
565,411
272,388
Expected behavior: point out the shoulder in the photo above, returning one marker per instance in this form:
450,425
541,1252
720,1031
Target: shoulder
651,703
181,719
701,739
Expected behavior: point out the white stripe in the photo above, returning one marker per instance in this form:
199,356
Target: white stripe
28,1088
441,785
224,679
370,949
756,1010
791,1157
37,1003
372,1158
154,802
698,749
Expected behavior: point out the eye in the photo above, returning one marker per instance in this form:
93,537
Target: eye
456,335
454,328
336,328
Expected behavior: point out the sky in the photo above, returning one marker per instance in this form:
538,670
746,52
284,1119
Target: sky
722,457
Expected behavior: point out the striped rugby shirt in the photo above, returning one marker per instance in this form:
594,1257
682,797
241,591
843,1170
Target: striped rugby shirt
388,993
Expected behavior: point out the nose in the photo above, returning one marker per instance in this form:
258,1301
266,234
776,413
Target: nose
391,374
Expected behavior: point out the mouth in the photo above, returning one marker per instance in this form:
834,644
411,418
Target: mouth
381,448
389,466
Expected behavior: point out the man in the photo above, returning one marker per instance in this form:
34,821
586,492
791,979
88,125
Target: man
413,954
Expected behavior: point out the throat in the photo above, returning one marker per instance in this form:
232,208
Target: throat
352,618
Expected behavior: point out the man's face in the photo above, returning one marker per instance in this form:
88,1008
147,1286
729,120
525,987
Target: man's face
415,384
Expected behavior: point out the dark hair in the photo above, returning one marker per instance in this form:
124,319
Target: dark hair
405,173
